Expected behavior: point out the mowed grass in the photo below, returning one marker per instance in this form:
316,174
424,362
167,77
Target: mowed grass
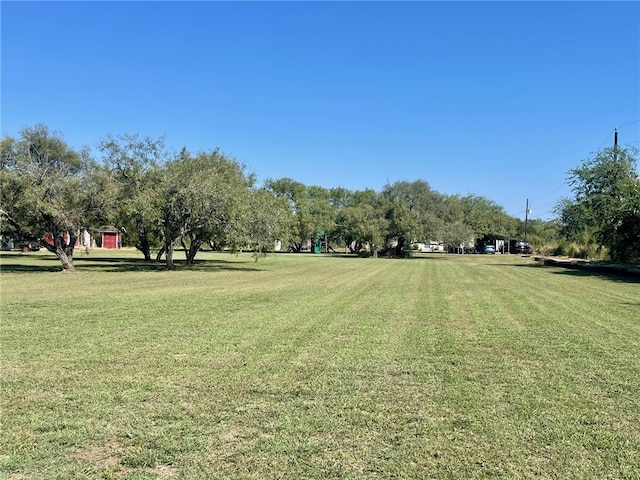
317,367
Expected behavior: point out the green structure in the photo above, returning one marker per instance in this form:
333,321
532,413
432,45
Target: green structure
319,240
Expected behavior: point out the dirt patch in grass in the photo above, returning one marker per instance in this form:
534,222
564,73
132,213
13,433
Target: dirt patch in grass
166,471
106,458
103,456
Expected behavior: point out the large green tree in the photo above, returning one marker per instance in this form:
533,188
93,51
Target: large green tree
268,219
574,226
295,193
135,165
47,189
485,217
607,200
201,199
361,226
415,213
312,208
361,222
457,236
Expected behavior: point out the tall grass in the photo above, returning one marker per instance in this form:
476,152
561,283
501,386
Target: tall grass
303,366
589,251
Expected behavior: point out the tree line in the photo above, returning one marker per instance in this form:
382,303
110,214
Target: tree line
183,201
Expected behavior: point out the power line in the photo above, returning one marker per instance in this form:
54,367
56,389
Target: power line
606,138
630,123
613,131
565,185
550,193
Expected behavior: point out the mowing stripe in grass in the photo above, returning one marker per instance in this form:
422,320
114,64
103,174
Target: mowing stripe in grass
318,367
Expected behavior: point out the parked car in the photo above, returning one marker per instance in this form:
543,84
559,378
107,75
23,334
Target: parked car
23,245
520,246
489,249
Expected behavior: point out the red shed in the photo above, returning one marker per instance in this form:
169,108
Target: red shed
111,237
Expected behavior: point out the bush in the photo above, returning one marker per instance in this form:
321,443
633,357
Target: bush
589,251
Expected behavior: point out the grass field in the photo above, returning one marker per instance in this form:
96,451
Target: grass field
316,367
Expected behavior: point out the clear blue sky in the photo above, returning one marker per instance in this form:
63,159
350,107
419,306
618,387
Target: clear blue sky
498,99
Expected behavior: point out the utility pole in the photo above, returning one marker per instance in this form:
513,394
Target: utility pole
615,144
526,219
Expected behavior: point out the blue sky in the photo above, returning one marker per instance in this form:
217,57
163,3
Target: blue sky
498,99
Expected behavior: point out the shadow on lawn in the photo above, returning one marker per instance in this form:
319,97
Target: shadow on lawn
30,268
431,256
616,276
107,264
577,270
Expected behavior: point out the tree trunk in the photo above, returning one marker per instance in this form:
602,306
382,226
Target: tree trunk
169,246
194,248
169,249
168,255
66,260
185,249
143,246
400,247
62,249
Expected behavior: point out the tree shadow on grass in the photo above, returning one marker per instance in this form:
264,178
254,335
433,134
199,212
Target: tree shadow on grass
363,256
432,256
107,264
110,265
614,274
30,268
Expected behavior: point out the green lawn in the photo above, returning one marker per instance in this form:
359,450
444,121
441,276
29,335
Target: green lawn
300,366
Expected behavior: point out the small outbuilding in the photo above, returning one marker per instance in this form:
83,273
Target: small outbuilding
111,237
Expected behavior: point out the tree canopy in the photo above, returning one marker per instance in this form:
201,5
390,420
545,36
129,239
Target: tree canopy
201,199
606,203
163,200
47,189
134,165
